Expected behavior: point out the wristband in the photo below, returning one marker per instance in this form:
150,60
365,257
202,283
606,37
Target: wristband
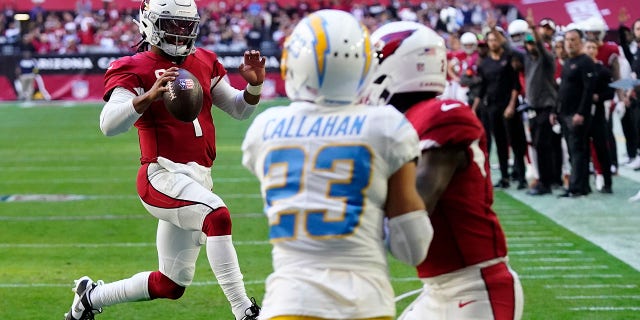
254,90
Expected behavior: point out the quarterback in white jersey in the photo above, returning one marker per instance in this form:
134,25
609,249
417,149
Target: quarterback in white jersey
330,171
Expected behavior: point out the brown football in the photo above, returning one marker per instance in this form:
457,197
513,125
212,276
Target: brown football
184,98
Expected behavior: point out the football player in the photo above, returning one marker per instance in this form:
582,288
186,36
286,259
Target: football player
460,64
330,170
174,182
466,274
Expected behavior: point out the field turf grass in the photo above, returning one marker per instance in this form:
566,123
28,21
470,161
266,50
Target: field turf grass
106,233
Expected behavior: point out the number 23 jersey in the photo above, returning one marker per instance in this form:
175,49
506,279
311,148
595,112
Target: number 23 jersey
323,173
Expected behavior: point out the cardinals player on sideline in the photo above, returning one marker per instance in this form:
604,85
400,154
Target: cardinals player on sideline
174,182
466,274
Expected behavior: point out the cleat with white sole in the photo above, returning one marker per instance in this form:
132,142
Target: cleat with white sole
81,308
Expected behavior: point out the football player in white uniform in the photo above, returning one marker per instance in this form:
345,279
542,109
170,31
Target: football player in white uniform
466,274
330,171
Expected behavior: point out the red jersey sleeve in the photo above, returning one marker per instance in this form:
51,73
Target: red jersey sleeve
607,52
218,71
121,73
444,123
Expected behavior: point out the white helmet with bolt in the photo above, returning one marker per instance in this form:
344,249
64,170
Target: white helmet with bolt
327,58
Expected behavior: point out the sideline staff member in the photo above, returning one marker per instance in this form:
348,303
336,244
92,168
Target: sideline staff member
574,111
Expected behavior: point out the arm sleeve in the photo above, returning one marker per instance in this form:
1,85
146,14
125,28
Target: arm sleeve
231,101
118,114
249,149
410,235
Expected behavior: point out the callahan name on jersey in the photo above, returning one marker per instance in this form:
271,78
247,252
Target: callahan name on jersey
304,127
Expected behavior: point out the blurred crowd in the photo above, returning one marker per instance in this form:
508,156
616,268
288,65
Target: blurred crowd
225,26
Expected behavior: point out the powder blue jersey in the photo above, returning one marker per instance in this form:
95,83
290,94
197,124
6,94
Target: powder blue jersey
323,173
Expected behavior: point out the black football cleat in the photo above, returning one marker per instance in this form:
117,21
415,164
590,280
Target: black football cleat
252,312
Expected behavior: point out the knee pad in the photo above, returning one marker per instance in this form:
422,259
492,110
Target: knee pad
217,223
160,286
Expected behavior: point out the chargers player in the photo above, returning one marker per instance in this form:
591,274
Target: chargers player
330,170
174,182
465,274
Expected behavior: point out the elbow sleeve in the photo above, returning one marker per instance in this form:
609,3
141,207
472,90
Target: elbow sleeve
231,101
410,235
118,114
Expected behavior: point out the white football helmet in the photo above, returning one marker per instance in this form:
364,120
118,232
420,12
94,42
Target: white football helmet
594,28
469,42
171,25
327,58
517,30
410,58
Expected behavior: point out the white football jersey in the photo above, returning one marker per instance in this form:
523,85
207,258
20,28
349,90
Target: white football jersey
323,173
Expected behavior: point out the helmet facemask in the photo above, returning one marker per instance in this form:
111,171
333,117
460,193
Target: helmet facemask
171,26
175,36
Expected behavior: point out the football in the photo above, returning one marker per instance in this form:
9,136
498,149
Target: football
183,99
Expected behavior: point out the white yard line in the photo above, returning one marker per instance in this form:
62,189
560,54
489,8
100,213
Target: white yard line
104,180
533,239
80,197
555,260
250,215
541,245
591,286
568,276
605,309
601,297
195,283
564,268
106,245
544,252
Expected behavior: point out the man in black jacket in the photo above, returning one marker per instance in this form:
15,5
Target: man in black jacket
574,111
499,91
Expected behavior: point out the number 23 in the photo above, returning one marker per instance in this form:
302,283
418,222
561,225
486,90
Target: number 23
349,189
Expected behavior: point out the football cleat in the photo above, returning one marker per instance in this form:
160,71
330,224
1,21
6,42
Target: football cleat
252,312
81,308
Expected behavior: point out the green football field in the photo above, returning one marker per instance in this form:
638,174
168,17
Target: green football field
68,208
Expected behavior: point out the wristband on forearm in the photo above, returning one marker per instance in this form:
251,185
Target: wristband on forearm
254,90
